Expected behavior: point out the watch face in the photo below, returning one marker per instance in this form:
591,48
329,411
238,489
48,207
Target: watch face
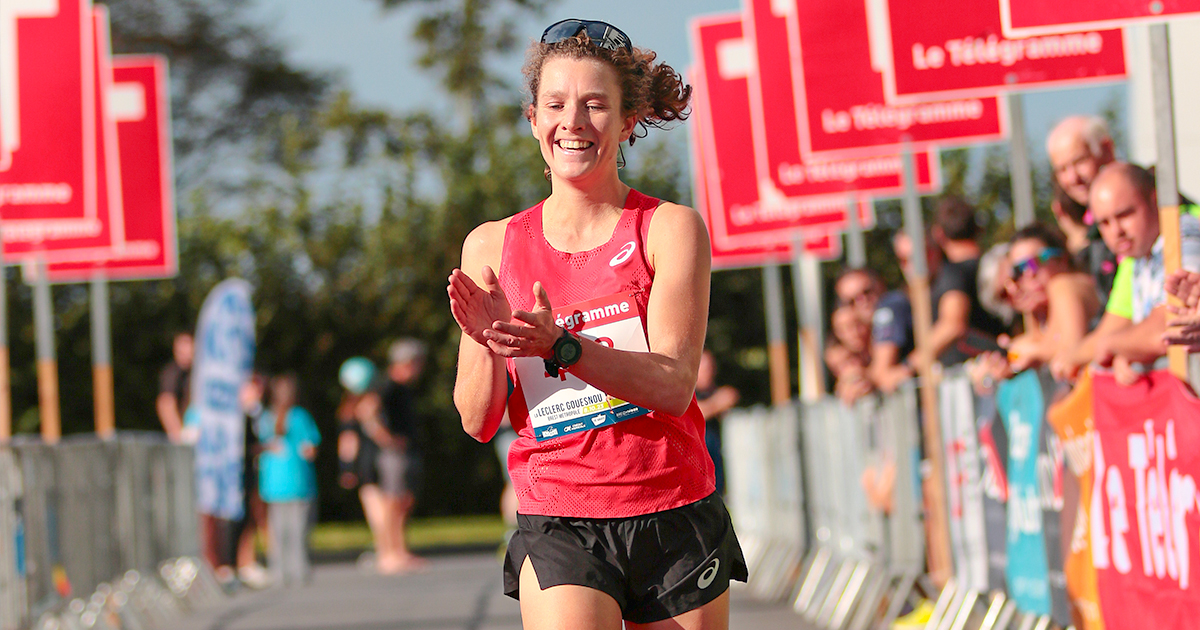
567,351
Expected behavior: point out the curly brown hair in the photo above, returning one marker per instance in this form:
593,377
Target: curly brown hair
656,92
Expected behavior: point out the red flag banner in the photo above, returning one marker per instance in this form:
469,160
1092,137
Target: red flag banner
927,53
1025,18
1145,518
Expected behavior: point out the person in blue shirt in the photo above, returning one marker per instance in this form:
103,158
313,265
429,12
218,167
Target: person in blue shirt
287,479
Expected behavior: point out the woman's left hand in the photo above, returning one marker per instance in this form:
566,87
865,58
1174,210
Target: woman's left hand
529,333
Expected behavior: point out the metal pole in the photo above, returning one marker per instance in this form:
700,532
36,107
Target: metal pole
936,521
1022,180
806,280
777,352
102,373
856,247
1166,175
5,377
47,364
1164,116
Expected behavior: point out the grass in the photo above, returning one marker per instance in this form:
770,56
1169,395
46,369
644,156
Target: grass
423,533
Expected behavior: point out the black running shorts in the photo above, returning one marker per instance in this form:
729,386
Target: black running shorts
656,566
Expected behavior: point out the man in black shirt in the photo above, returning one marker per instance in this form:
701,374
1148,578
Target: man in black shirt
962,328
174,386
399,462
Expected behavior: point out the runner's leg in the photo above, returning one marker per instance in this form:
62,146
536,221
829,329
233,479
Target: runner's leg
711,616
566,607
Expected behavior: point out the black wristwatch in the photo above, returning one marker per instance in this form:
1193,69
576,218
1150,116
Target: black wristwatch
564,354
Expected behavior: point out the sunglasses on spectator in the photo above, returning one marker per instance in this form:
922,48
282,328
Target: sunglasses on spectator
1032,264
602,34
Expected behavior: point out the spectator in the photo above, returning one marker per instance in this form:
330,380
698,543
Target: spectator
399,462
1084,243
1057,299
357,452
254,518
892,324
713,402
860,289
287,479
995,284
1125,207
174,386
1079,146
962,328
849,354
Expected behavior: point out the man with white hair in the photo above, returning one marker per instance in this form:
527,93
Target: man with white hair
1079,146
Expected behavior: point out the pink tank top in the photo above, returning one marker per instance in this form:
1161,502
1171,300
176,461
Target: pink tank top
643,465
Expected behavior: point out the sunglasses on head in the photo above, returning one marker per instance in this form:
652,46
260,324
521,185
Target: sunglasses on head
1034,263
602,34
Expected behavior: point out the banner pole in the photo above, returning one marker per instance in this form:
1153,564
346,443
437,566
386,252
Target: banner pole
1021,178
806,282
5,375
1166,177
47,364
777,352
856,247
102,372
936,522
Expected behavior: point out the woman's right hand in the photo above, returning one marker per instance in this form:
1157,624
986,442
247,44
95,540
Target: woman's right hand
476,308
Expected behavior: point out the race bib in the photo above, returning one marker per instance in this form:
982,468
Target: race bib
563,405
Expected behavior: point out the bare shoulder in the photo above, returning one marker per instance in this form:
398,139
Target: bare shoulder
1074,284
483,246
674,226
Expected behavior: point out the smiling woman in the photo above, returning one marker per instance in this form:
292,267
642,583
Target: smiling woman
620,466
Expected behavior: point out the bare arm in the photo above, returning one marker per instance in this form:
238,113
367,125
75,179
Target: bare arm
721,401
886,371
476,301
1137,343
676,318
1065,365
954,317
168,413
1071,304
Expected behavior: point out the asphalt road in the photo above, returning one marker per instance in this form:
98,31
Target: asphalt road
456,593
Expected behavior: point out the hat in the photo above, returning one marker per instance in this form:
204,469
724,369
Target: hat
356,374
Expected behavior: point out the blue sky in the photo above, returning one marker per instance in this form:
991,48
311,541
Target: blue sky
371,50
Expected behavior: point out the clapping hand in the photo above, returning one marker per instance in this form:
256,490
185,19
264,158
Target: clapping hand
476,308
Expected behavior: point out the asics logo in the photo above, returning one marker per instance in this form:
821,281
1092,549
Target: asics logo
624,254
710,574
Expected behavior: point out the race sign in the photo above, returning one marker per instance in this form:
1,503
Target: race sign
48,212
839,93
47,111
927,53
1026,18
763,58
140,104
744,212
1145,514
823,246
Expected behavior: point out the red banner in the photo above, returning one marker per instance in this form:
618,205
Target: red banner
840,100
741,215
766,55
1145,511
62,220
47,111
927,53
141,107
1025,18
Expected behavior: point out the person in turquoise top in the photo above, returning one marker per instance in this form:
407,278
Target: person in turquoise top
288,479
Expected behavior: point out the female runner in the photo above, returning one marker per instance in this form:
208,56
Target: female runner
617,521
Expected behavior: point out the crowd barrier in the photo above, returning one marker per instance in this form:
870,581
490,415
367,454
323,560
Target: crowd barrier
92,518
1068,505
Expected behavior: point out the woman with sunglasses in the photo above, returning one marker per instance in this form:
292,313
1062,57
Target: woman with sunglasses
1057,299
620,520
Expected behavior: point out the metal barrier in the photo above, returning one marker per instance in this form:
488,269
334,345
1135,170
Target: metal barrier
862,515
98,519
